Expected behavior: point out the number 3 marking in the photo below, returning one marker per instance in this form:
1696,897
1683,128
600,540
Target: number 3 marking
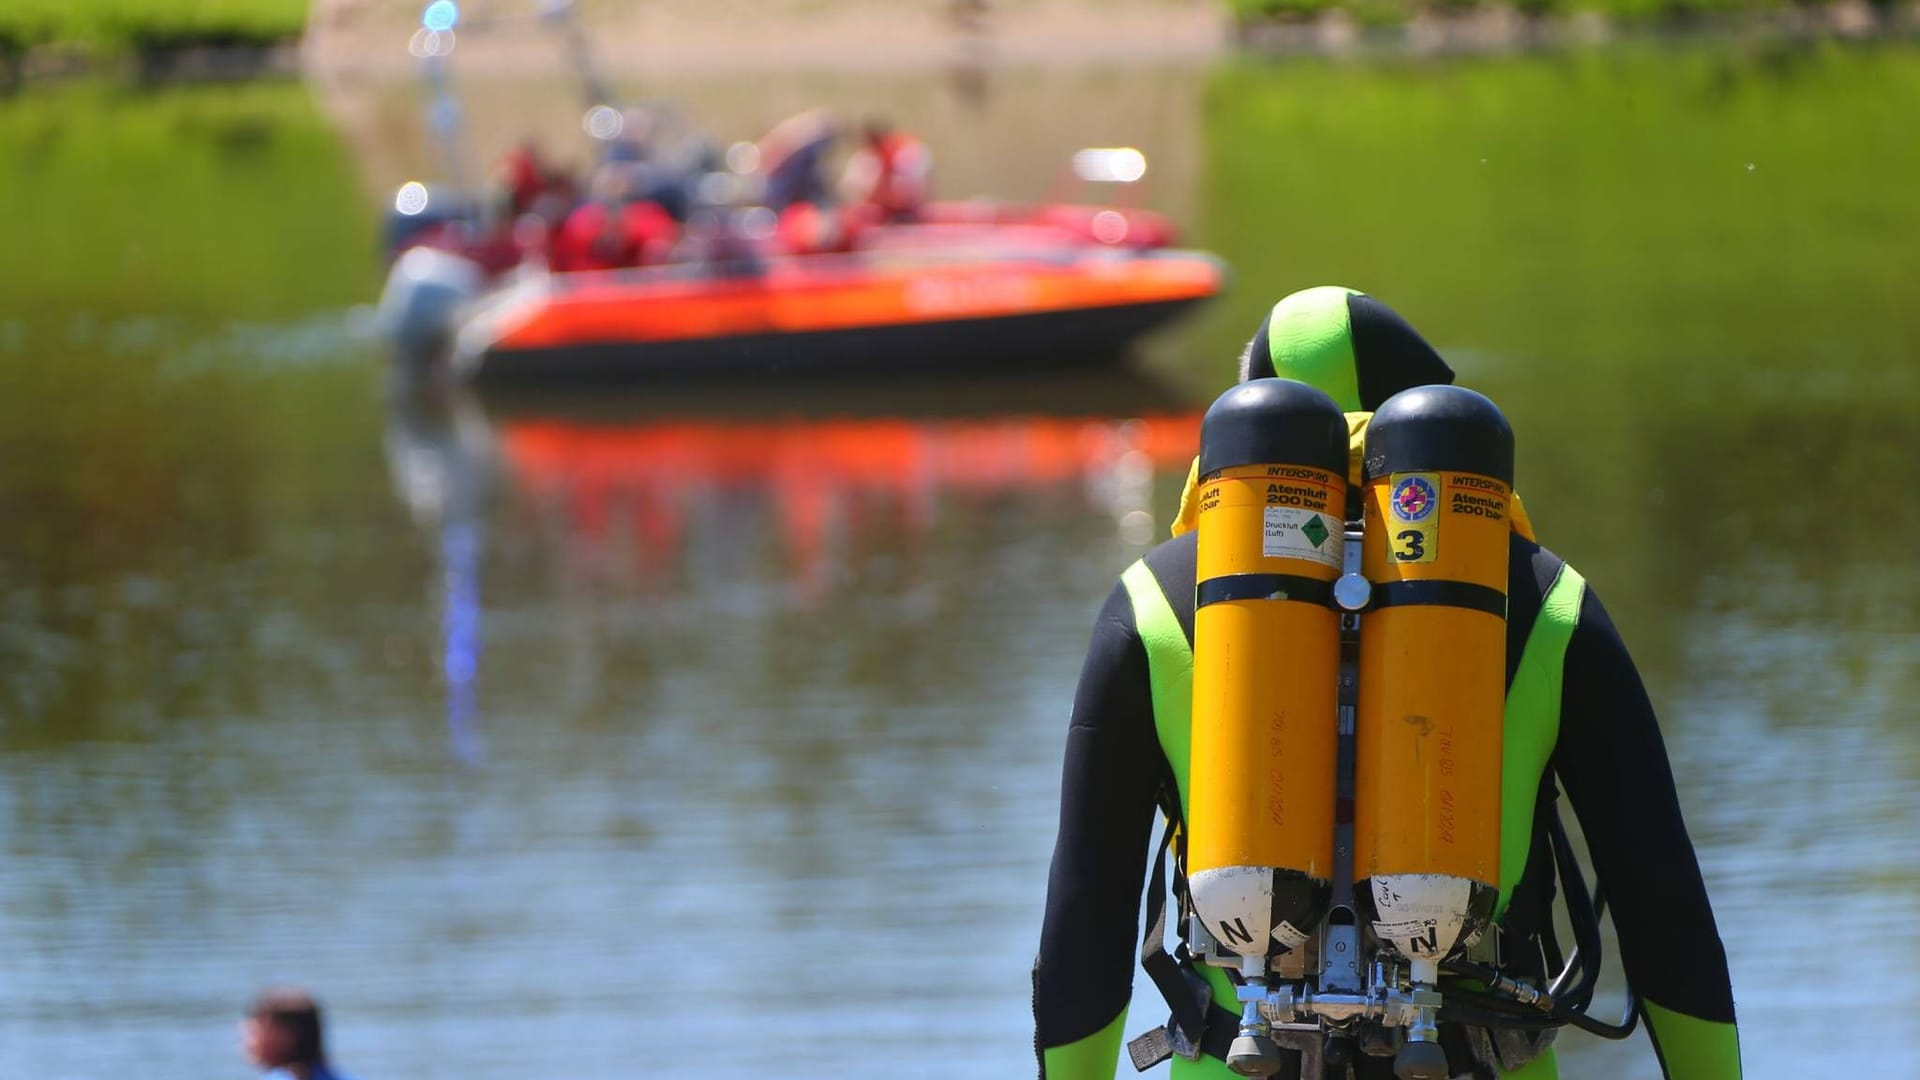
1413,545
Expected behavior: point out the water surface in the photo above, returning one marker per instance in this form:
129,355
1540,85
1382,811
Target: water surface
688,734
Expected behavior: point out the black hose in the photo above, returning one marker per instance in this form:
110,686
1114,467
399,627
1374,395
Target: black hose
1580,913
1491,1010
1472,1017
1488,1009
1605,1030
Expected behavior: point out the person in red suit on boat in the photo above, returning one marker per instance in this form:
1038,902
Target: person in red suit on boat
887,178
612,230
521,177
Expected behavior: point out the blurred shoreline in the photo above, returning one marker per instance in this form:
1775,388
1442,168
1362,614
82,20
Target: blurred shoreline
356,39
700,37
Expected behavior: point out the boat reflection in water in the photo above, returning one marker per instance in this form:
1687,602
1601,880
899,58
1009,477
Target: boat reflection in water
741,503
441,456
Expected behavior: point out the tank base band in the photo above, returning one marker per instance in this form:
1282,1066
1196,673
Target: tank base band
1265,587
1459,594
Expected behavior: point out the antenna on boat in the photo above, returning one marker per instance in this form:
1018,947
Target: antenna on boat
432,43
560,13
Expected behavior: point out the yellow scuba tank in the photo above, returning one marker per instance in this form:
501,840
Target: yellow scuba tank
1422,583
1439,475
1272,502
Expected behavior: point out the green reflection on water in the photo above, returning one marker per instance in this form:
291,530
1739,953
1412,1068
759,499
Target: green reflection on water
200,202
176,411
1682,273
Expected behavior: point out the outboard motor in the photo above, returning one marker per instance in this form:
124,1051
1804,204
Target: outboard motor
420,306
419,208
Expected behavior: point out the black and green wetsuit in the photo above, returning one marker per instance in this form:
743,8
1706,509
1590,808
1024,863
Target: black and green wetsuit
1578,719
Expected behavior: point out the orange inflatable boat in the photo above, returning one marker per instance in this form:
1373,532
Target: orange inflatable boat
899,311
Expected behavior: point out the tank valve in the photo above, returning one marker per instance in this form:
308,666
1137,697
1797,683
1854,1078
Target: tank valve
1421,1056
1420,1061
1256,1054
1253,1053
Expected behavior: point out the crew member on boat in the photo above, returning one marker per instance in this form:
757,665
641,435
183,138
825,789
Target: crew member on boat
614,229
888,177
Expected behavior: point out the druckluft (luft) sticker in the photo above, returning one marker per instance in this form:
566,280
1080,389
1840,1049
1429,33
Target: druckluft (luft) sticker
1413,535
1293,533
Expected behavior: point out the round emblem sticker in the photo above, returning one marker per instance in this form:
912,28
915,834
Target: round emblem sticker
1413,499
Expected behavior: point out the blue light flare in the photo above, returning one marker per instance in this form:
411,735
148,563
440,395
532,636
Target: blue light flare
440,16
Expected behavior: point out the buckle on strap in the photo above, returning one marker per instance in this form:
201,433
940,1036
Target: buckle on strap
1183,1046
1156,1045
1152,1047
1171,1039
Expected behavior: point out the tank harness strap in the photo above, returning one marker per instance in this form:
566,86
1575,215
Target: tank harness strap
1462,1060
1458,594
1188,997
1264,587
1172,977
1528,920
1223,1026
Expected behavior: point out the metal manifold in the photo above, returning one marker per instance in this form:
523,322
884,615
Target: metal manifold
1325,1002
1322,1002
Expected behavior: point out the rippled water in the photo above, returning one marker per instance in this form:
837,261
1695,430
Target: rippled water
713,733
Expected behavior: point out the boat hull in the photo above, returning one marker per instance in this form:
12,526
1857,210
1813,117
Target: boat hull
832,316
1053,340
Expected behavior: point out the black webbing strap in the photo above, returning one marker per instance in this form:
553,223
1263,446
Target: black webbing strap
1530,901
1306,590
1460,594
1461,1059
1161,966
1223,1026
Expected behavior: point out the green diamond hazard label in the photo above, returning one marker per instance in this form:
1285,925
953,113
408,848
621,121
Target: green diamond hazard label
1315,530
1291,532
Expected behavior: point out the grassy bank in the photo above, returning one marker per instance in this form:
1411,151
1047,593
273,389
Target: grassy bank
109,28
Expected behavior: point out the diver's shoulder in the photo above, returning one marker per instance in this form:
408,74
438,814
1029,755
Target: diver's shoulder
1533,563
1174,562
1182,548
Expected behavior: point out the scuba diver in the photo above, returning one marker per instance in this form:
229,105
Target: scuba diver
1146,733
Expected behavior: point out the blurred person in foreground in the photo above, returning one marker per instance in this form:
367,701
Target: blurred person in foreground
282,1036
1572,691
